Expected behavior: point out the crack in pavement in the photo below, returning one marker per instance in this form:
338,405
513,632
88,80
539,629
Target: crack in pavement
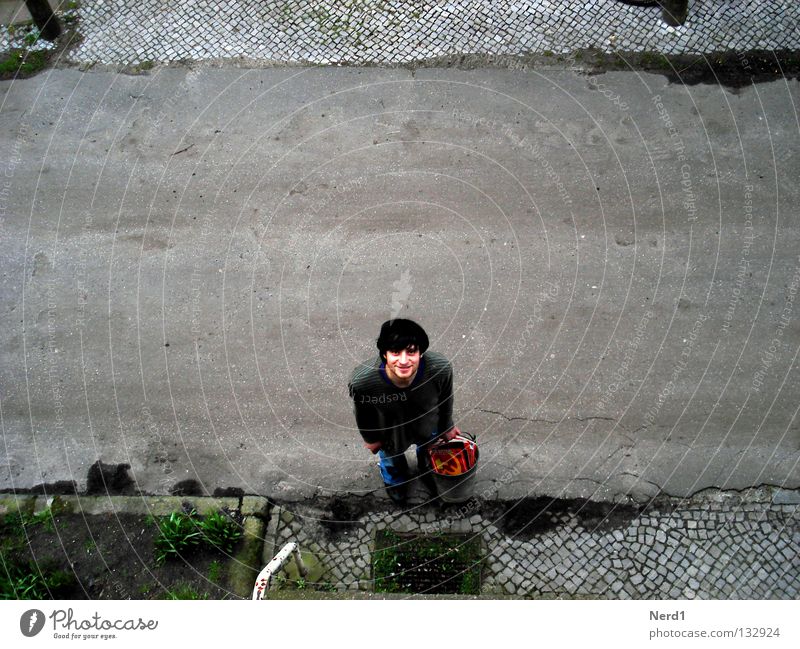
545,421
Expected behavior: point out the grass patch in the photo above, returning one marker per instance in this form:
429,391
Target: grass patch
18,63
434,564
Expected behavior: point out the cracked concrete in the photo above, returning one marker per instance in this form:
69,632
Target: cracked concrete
220,263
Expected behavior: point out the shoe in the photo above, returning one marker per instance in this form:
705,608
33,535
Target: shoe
397,493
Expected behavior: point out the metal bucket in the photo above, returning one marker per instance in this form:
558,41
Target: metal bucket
457,488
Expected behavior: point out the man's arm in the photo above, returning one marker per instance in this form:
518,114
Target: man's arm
367,420
446,426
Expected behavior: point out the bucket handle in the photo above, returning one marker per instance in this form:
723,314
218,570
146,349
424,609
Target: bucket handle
442,440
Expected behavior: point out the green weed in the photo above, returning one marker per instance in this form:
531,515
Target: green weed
45,518
31,37
214,571
220,531
178,533
181,533
27,580
17,522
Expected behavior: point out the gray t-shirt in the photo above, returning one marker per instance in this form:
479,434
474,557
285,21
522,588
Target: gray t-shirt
400,417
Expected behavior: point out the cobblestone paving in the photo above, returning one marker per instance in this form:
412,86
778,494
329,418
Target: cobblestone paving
718,546
377,31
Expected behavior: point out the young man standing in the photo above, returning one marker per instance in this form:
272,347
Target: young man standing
403,397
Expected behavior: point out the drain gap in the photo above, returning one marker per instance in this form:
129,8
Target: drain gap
431,564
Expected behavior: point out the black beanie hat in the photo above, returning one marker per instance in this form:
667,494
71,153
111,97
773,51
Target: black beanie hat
400,333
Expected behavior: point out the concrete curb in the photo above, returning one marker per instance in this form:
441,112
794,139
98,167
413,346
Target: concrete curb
247,563
256,506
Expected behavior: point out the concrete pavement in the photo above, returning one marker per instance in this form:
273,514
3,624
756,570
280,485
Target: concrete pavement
193,260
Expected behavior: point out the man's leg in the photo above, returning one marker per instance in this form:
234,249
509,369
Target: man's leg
424,467
394,468
394,471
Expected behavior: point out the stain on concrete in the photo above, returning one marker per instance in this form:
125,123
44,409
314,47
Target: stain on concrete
112,479
342,514
189,487
529,517
58,488
41,264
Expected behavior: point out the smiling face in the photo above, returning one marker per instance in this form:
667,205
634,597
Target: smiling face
402,365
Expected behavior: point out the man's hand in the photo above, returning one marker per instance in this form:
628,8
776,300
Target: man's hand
374,447
450,434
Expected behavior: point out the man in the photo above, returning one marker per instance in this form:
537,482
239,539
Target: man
403,397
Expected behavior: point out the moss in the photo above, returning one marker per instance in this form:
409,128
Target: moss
655,60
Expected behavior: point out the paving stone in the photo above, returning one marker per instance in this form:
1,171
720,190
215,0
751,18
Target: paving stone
126,33
729,564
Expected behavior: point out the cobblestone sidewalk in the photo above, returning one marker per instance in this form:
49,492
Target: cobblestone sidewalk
397,32
718,545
